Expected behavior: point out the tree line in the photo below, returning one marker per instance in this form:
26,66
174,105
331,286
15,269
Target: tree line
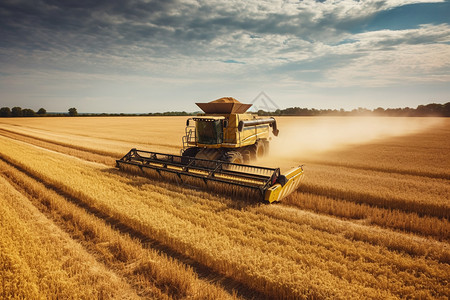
17,111
429,110
432,109
42,112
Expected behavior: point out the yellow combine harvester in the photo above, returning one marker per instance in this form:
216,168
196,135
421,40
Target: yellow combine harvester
217,147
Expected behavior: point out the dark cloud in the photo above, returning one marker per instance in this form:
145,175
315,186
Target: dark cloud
68,22
45,24
90,34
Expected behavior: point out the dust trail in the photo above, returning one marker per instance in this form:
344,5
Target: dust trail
304,137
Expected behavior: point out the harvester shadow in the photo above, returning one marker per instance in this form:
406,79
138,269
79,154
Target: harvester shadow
236,201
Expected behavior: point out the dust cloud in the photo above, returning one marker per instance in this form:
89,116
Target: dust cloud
304,137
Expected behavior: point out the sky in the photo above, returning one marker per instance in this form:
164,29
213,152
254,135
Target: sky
154,56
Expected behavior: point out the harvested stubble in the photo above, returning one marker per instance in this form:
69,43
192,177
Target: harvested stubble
421,154
107,134
281,256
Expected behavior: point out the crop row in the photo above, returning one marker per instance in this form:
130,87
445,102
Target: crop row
338,202
420,195
150,273
396,219
420,155
103,135
385,168
384,190
372,215
37,260
278,256
69,149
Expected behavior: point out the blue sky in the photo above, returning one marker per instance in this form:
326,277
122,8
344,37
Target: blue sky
149,56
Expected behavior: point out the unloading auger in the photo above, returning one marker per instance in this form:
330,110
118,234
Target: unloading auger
216,151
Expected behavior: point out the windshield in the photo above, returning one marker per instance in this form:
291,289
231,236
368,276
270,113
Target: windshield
209,132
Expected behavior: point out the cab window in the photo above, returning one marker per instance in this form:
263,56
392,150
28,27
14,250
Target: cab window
209,132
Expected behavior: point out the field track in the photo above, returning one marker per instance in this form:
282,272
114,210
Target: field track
352,231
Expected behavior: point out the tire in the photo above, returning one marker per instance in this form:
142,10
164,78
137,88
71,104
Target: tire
260,149
189,152
233,157
252,150
208,154
266,147
246,154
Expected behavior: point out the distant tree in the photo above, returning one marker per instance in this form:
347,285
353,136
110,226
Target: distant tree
262,113
429,109
41,111
17,111
73,111
5,112
446,109
379,111
28,112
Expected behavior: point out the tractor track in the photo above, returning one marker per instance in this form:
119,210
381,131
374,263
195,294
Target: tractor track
203,272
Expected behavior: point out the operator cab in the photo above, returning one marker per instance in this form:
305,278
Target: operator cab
209,130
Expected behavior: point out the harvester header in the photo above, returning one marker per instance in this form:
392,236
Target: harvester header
218,146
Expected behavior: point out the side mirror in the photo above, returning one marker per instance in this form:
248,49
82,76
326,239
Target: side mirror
225,123
187,122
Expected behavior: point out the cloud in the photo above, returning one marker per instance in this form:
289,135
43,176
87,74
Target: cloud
293,43
380,58
102,25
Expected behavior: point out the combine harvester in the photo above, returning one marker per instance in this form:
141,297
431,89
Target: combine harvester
217,147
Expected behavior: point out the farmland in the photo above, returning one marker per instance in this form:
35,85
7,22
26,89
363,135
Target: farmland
371,219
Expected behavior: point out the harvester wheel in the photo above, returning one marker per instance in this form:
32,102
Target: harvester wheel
233,157
260,149
209,154
266,147
189,152
246,154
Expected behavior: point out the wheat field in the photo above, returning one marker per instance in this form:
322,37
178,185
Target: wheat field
371,219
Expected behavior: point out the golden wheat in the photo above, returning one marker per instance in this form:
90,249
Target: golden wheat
39,261
422,154
111,135
155,275
425,196
277,256
395,219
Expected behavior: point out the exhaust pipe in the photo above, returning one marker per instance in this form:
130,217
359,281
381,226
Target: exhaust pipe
271,121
